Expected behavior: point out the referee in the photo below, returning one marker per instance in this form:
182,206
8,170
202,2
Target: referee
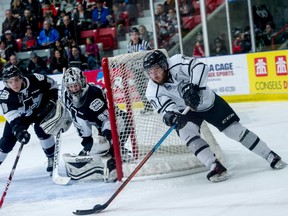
136,44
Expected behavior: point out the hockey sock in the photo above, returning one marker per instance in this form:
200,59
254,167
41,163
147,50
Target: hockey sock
248,139
202,151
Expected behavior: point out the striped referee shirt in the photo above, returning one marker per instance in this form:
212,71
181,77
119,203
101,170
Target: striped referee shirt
142,45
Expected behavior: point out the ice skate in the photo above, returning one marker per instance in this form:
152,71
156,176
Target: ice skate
275,161
218,172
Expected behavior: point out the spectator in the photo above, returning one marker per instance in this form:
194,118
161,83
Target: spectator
36,10
27,20
59,63
168,5
236,43
186,8
83,18
37,64
10,23
136,44
92,54
166,28
29,41
3,51
100,15
133,11
68,31
268,34
67,6
47,36
144,34
77,59
10,42
49,10
246,42
219,47
18,8
60,47
13,60
198,50
172,18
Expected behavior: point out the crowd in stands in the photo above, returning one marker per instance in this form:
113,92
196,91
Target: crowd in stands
32,25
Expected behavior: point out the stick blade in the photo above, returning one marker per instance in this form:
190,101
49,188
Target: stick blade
96,209
60,180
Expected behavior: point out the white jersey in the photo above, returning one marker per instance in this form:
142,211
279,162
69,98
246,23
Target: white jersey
182,70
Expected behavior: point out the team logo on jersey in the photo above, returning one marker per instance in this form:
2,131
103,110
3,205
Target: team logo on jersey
4,95
40,77
96,105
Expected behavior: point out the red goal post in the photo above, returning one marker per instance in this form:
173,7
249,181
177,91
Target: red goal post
125,84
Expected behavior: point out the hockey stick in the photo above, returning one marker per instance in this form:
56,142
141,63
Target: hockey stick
56,178
98,208
11,174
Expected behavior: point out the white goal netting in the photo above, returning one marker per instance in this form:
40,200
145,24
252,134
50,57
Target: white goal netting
144,127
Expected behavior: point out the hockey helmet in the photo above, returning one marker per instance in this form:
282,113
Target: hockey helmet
10,72
155,58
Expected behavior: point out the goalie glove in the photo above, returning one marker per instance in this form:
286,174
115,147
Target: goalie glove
173,118
191,95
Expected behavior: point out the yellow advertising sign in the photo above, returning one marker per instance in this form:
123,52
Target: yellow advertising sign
268,72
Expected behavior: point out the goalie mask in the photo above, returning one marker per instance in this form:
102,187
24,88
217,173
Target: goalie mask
75,83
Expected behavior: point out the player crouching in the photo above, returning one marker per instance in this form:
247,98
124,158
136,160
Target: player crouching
87,106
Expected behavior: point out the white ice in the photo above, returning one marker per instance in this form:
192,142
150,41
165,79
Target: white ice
253,189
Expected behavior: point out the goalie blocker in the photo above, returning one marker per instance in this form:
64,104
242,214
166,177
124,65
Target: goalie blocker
56,120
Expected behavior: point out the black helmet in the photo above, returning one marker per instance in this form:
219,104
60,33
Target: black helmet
155,58
11,71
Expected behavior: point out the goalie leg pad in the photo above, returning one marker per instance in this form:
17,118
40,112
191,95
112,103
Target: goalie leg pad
59,119
84,167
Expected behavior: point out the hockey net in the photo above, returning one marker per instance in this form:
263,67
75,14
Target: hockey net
126,83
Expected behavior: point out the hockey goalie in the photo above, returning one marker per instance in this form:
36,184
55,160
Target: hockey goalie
87,107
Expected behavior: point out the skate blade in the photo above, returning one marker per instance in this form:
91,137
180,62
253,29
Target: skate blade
218,178
280,165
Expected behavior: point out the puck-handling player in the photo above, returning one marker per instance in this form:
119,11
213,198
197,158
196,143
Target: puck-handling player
181,81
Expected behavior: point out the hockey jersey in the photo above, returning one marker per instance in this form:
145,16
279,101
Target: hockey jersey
93,111
26,104
182,71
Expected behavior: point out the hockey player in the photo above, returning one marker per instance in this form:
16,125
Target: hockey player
26,100
88,107
181,81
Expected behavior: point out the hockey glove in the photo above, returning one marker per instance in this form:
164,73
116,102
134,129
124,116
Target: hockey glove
47,110
174,118
191,95
22,136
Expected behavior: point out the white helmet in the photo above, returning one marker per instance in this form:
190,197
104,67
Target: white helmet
74,75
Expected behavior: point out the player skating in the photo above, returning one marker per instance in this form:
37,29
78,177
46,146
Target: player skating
181,81
87,106
26,100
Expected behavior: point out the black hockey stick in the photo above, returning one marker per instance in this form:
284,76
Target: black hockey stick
11,174
98,208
